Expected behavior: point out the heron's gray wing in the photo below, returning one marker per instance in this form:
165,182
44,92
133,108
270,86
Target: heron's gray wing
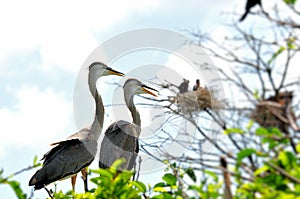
120,141
64,160
123,134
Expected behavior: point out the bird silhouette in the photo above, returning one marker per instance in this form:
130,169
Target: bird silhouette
249,5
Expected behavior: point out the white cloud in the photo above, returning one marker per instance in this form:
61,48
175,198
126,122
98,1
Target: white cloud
63,30
39,118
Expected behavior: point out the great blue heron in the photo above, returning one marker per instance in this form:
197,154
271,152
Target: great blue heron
75,153
121,137
249,5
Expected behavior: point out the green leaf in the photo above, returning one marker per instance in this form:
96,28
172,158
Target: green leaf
141,186
256,94
290,2
160,184
96,180
159,189
249,125
35,162
233,130
291,43
117,164
298,148
166,161
17,189
190,172
245,153
262,131
194,187
170,179
103,172
292,46
1,177
272,143
261,170
287,158
163,195
275,131
275,55
173,165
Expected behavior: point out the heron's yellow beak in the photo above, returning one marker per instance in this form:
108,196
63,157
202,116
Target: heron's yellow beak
114,72
146,90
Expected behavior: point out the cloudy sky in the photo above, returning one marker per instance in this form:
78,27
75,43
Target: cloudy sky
43,45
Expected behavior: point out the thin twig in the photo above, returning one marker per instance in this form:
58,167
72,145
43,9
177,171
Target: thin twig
49,192
17,173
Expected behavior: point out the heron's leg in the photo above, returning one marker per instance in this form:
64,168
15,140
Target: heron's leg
73,181
85,180
134,171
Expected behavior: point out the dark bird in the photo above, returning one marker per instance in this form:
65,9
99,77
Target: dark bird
121,137
75,153
249,5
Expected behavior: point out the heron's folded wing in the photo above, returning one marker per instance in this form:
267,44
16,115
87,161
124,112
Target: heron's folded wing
120,141
64,160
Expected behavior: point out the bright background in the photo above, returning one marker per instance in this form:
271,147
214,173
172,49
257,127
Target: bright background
42,47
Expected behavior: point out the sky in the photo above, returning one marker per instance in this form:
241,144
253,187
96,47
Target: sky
43,45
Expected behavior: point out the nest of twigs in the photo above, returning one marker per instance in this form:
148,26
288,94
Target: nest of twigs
204,98
198,100
273,111
269,114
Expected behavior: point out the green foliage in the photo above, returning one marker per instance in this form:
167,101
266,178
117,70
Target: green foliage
249,126
279,175
272,137
290,2
256,94
170,179
276,54
290,44
210,187
233,130
17,189
15,185
243,154
61,195
190,172
114,184
35,163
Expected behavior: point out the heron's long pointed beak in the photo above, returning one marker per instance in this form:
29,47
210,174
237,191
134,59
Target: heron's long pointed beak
114,72
146,90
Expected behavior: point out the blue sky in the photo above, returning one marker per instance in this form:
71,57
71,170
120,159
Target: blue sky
43,45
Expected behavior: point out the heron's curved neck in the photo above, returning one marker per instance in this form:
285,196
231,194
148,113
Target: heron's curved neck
97,125
134,112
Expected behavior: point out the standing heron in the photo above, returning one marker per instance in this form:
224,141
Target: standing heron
74,154
121,137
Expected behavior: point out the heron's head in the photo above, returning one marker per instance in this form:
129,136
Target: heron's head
135,87
99,69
